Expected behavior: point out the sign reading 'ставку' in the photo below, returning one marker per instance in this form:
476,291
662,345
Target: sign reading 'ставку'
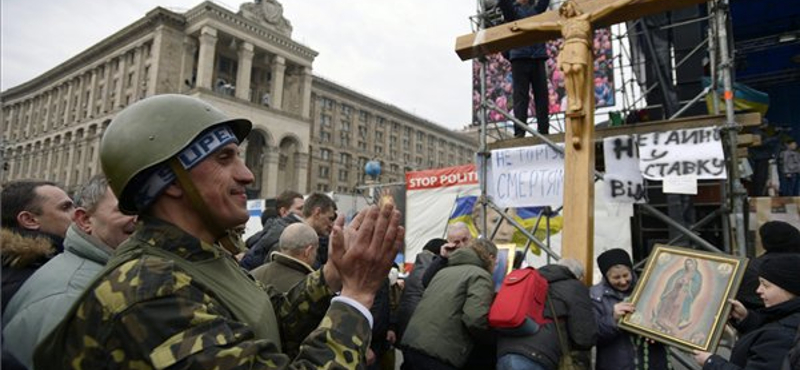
690,152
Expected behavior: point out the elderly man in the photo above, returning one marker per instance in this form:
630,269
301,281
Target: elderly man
44,299
458,235
319,212
173,296
35,217
292,261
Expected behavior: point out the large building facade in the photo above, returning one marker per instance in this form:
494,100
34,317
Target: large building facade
309,133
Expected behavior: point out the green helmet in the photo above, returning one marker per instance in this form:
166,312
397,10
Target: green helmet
151,131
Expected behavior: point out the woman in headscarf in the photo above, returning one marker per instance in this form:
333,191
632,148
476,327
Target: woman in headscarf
617,349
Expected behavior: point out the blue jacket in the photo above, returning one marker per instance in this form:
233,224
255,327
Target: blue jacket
47,295
513,11
615,347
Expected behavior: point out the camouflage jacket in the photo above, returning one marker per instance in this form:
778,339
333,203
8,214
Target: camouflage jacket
148,313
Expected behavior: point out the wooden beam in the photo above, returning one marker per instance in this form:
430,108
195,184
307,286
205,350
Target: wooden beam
501,38
743,119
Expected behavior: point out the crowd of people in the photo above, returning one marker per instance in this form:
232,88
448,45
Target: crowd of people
145,269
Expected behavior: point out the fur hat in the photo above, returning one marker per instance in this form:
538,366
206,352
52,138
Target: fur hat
779,236
612,257
782,271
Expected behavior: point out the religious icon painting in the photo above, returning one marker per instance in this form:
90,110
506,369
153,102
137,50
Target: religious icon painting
682,297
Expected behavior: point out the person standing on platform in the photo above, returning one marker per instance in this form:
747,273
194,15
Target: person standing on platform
528,69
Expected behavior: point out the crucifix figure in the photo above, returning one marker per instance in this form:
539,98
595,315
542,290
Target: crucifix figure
574,22
575,56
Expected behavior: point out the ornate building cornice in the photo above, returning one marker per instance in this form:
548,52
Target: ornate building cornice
268,36
97,52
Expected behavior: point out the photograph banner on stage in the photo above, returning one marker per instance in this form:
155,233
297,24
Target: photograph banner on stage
623,180
689,152
526,177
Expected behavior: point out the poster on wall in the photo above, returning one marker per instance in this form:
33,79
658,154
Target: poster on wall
432,196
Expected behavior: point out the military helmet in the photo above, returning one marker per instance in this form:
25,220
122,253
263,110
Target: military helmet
151,131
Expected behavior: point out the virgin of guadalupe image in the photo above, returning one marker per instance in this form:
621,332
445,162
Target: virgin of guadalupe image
673,312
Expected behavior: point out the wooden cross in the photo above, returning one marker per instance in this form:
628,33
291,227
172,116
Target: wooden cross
575,22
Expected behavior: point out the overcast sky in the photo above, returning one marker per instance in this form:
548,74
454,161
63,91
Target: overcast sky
399,52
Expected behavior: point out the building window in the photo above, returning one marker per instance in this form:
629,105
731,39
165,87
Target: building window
362,145
344,138
344,159
362,132
325,136
325,154
379,136
363,116
393,168
347,110
343,175
406,144
324,172
327,103
345,126
381,122
325,120
378,149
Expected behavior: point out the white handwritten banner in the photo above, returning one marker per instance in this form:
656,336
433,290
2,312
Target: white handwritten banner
690,152
623,181
526,177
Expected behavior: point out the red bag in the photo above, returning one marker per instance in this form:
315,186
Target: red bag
522,295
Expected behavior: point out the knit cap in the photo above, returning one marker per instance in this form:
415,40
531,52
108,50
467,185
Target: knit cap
613,257
779,236
783,271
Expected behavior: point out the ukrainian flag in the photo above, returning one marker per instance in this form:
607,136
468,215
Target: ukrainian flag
527,217
462,212
745,98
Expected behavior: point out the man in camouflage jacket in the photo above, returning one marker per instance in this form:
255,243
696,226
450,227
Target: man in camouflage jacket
173,297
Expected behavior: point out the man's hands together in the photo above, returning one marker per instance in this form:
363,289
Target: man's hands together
361,253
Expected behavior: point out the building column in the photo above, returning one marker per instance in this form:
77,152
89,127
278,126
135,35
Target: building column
67,103
269,178
244,71
104,103
80,104
48,154
278,73
301,171
92,94
28,119
206,56
49,112
306,91
137,73
118,93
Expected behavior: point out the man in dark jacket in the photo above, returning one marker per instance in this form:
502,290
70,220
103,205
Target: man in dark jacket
528,68
573,308
778,238
319,212
286,203
35,218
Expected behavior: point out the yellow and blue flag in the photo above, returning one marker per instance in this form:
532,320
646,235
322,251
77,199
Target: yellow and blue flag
462,212
527,217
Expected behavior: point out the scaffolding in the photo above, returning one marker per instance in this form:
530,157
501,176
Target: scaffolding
632,93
